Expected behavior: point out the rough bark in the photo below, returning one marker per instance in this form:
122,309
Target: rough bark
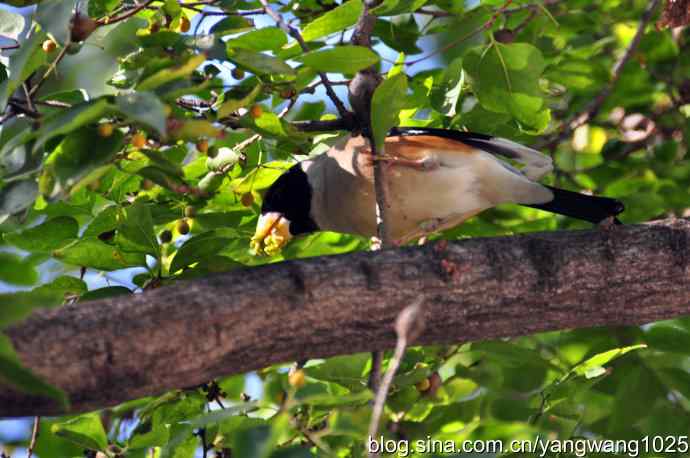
112,350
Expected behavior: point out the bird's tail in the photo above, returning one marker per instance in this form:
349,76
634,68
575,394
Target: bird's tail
594,209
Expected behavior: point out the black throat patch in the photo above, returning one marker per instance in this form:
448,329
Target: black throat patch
290,195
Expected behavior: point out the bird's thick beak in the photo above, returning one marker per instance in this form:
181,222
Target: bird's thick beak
272,233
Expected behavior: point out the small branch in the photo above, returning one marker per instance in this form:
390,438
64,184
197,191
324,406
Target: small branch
34,437
108,20
294,33
595,105
408,326
51,68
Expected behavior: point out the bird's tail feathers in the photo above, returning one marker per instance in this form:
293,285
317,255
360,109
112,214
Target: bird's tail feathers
594,209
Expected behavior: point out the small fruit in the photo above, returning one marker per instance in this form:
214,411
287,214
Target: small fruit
184,24
183,227
296,378
82,27
155,27
49,46
256,111
287,93
435,383
202,145
105,130
147,185
138,140
423,386
247,199
237,73
189,211
166,236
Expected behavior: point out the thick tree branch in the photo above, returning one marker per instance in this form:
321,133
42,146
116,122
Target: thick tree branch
105,352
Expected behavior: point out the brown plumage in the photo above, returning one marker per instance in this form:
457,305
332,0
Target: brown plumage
434,183
436,179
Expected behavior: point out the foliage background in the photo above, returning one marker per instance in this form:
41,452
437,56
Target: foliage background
83,215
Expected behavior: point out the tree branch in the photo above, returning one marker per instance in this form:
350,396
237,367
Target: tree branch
105,352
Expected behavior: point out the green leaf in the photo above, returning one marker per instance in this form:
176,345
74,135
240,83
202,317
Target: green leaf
590,365
135,232
91,252
44,238
167,75
388,100
401,36
197,248
75,157
22,379
105,221
266,39
236,99
395,7
144,108
102,293
259,63
335,20
71,119
230,25
17,271
17,197
23,63
665,337
341,59
345,370
444,96
505,78
85,430
11,24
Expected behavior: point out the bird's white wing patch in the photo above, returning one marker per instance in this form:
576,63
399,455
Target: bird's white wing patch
536,164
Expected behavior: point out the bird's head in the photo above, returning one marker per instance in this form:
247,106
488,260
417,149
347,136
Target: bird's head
285,212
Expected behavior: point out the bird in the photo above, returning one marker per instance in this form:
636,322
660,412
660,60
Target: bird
436,179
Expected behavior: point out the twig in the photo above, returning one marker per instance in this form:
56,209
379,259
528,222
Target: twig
34,437
51,68
595,105
408,326
294,33
108,20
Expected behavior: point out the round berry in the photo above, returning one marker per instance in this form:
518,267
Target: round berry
423,386
183,227
138,140
296,379
166,236
247,199
105,130
49,46
237,73
202,145
184,24
256,111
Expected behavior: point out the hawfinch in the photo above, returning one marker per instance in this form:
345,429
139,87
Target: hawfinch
436,179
